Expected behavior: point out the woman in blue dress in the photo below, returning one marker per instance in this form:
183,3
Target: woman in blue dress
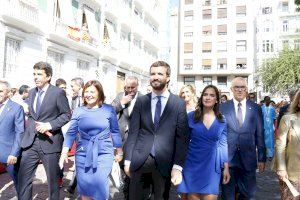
207,154
97,125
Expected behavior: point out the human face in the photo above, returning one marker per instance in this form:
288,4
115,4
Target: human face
159,78
131,87
239,89
4,93
186,94
75,88
91,95
40,78
209,98
223,100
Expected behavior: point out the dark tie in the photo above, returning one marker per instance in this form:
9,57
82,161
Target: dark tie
38,102
156,120
240,114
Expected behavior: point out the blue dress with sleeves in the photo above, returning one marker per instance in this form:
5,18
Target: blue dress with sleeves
98,135
207,153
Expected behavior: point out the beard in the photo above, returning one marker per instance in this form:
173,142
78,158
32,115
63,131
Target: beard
157,85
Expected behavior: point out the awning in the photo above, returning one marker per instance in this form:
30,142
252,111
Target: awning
222,28
66,13
91,21
241,61
188,47
206,28
206,46
222,60
241,9
206,62
188,61
241,26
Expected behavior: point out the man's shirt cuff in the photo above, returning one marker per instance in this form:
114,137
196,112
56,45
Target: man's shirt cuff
177,167
127,162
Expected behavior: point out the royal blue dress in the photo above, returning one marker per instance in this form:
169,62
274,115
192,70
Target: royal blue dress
98,135
207,153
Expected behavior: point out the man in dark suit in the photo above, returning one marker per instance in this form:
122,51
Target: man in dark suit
158,137
245,136
123,104
11,131
48,112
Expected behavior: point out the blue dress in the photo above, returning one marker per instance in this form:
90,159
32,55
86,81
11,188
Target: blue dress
98,135
269,115
206,155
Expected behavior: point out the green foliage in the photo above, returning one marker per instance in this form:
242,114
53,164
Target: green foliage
281,73
297,2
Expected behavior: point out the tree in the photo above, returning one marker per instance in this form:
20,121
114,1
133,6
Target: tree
281,73
297,2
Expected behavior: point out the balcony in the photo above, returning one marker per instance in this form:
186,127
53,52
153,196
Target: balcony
188,67
20,14
75,38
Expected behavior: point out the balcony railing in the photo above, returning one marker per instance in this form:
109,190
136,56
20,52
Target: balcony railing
241,66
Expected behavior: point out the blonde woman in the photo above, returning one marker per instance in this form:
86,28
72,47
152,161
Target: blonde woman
287,151
188,94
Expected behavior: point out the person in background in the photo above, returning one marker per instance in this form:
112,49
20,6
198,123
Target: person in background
252,97
188,94
223,99
61,83
149,89
97,125
11,132
208,152
246,145
13,92
22,98
48,112
285,108
287,151
269,117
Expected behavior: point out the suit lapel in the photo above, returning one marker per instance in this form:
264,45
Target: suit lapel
248,113
233,114
31,101
5,110
148,110
46,97
168,108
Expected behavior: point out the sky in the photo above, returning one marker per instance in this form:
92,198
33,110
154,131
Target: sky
174,3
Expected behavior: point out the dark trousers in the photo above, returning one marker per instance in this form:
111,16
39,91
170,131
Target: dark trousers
140,180
242,180
28,165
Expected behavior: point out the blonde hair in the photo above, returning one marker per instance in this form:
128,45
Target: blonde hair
294,108
192,89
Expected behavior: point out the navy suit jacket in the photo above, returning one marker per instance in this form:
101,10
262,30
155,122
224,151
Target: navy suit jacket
171,137
11,130
55,110
246,139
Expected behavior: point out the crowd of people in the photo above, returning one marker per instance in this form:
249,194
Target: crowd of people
207,147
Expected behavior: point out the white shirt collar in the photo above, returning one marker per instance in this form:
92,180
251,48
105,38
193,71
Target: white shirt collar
243,102
165,94
45,88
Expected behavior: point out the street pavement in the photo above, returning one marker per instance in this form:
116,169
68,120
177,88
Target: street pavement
268,188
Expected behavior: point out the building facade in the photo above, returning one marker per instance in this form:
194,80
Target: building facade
106,40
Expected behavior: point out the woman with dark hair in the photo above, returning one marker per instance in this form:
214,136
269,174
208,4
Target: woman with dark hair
207,153
97,125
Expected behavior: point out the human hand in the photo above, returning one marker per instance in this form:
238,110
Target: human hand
226,176
63,158
176,176
42,127
118,157
282,174
126,170
261,166
126,99
11,160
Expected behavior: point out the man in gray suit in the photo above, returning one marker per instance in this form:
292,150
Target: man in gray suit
123,104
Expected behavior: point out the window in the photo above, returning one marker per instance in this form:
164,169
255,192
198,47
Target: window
206,14
82,67
222,63
267,46
221,2
188,34
266,10
297,44
189,2
188,15
11,52
206,3
188,64
188,47
285,26
241,63
285,7
285,44
222,46
222,13
189,80
241,45
206,64
56,60
206,47
207,80
240,11
222,80
268,26
206,30
222,29
241,28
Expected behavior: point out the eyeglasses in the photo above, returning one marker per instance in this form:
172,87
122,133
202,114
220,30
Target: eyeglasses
237,88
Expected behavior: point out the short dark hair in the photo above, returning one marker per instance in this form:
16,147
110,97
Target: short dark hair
59,82
224,95
23,88
99,88
162,64
44,66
